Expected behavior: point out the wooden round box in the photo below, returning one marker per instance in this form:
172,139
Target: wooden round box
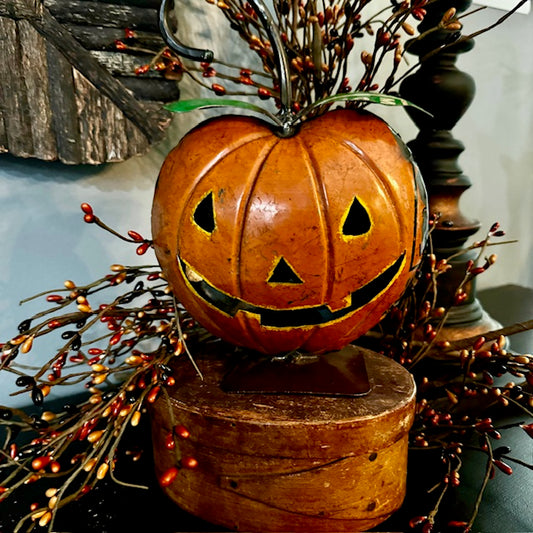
287,462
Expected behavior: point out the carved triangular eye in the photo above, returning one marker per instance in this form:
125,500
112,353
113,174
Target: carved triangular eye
357,221
283,273
204,214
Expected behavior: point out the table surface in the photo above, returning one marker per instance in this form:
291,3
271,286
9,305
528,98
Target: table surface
506,507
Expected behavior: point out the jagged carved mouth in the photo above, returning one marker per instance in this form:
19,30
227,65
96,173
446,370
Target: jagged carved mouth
291,318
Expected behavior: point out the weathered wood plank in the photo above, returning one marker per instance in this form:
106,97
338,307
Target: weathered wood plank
20,9
102,38
17,120
155,90
106,134
35,67
3,135
95,14
134,140
150,121
63,105
130,141
123,64
154,4
91,113
116,146
59,102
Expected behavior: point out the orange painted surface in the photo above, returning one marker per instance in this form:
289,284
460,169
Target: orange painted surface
298,243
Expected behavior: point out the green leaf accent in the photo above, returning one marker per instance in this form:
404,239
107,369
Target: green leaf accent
184,106
363,96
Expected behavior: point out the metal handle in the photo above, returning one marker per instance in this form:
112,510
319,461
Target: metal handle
196,54
285,116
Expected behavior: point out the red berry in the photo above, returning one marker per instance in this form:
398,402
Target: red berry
78,358
209,72
141,250
170,443
383,37
181,431
246,80
263,93
419,14
13,450
480,341
528,428
504,467
115,338
40,462
137,237
476,271
189,462
168,476
153,394
142,70
218,89
417,520
86,208
457,523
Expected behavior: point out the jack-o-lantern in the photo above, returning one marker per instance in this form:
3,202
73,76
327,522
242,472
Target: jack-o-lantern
278,244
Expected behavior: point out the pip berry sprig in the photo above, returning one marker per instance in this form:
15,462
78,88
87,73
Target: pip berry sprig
321,39
323,43
134,237
451,417
454,401
412,328
117,349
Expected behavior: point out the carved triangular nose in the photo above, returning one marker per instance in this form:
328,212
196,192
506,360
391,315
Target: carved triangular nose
284,273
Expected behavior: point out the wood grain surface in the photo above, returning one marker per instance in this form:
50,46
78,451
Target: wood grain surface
62,96
270,462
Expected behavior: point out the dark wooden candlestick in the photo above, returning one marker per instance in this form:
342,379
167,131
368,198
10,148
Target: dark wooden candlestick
446,92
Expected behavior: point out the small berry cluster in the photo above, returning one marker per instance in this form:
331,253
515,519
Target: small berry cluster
453,401
190,463
120,350
159,59
412,328
318,41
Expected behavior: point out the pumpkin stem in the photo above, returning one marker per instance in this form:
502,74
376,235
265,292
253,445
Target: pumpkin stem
285,118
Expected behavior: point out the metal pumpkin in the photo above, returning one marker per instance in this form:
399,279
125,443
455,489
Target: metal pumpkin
291,240
280,244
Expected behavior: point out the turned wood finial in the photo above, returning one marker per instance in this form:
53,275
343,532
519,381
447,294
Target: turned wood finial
446,92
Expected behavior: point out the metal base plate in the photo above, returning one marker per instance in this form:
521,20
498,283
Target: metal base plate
340,373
